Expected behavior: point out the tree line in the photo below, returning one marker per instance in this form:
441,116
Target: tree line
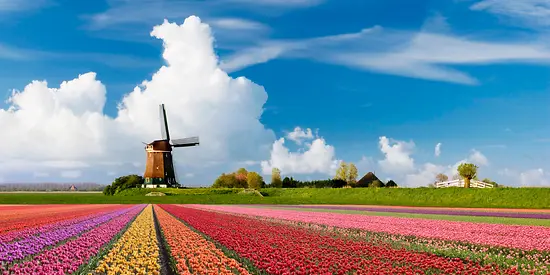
346,177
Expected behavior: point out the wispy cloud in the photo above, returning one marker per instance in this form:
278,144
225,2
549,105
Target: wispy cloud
7,6
237,24
279,3
154,11
421,54
111,60
12,53
495,146
533,13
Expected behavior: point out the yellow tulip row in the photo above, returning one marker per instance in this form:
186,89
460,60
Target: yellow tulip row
136,252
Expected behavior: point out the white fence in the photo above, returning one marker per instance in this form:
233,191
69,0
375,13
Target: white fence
460,183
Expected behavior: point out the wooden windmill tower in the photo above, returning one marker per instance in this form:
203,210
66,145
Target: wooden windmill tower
159,168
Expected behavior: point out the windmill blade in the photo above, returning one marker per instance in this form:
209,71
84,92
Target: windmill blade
163,123
185,142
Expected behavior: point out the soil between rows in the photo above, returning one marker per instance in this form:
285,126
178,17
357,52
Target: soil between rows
165,267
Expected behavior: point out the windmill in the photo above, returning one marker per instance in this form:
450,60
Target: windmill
159,168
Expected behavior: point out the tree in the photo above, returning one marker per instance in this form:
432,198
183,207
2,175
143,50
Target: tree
254,180
456,177
342,172
467,171
441,177
123,183
241,175
352,174
229,181
276,178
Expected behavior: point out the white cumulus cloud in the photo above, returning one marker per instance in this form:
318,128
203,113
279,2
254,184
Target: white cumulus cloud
534,177
476,157
397,154
317,157
528,178
67,124
298,135
425,175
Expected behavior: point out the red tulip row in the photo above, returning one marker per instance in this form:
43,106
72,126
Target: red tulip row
283,249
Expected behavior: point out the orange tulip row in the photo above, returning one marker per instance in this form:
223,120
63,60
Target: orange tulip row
192,252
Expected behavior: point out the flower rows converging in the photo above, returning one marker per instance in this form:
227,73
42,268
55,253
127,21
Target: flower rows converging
33,228
192,252
513,236
279,248
37,215
69,256
208,239
423,210
136,252
28,246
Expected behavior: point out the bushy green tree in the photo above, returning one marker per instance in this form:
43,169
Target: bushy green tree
467,171
254,180
290,182
241,174
229,181
122,183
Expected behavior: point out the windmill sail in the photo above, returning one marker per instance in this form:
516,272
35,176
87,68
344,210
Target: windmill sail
185,142
163,123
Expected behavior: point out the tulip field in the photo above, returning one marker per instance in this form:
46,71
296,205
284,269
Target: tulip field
238,239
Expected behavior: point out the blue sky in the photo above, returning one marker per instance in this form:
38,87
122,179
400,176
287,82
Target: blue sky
471,75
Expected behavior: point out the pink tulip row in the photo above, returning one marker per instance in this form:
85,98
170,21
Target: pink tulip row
68,257
512,236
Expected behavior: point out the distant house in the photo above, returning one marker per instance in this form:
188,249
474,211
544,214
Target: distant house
73,188
368,180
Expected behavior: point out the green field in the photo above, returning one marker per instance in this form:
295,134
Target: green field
531,198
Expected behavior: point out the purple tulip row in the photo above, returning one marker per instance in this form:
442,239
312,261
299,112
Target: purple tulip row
452,212
25,233
31,245
67,258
